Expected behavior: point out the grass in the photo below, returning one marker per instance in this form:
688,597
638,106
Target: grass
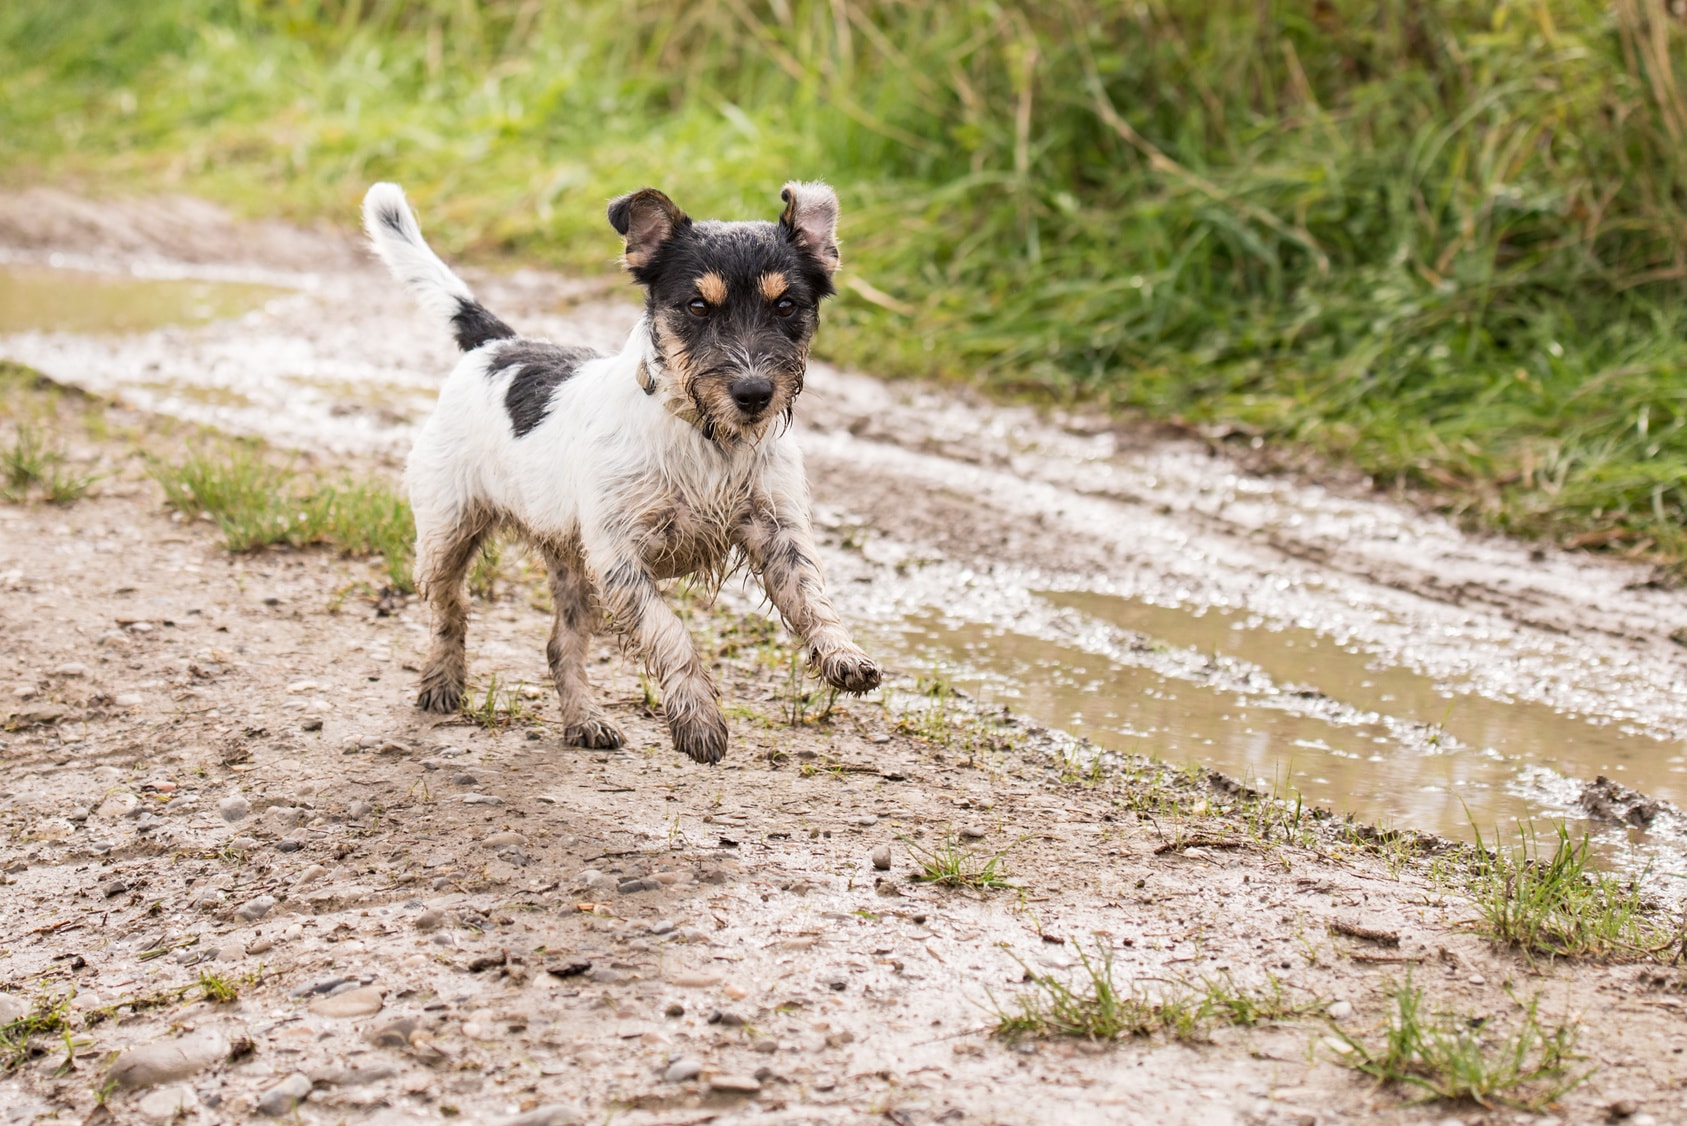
49,1016
1438,241
257,502
499,706
32,468
1552,903
1447,1056
950,865
1094,1005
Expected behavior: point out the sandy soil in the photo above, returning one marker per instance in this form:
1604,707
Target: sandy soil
212,767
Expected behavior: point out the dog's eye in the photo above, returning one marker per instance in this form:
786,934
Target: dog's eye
784,307
697,307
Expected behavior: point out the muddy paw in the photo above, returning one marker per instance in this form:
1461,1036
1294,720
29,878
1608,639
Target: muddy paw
703,738
849,670
598,734
441,698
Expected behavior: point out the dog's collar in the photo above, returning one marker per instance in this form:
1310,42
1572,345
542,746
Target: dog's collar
681,409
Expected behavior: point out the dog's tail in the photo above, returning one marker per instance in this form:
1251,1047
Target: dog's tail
398,242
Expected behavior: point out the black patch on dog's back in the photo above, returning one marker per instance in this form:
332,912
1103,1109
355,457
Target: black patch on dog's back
543,366
474,326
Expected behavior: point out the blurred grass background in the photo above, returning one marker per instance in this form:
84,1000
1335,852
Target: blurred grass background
1440,241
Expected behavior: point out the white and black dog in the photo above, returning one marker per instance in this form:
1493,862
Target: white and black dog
671,458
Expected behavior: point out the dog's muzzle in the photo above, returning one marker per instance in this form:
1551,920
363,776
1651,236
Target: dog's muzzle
752,393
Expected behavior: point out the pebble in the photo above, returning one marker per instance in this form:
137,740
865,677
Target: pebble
682,1069
289,845
674,1009
233,808
148,1065
260,945
74,668
430,919
505,839
1478,979
393,1034
353,1003
166,1103
359,809
482,799
1623,1108
971,833
129,700
257,908
310,875
285,1096
555,1114
661,926
881,858
735,1084
118,805
78,813
1341,1010
12,1008
286,816
867,821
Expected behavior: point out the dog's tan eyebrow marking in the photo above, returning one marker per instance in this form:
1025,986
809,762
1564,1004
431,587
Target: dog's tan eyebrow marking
713,288
773,286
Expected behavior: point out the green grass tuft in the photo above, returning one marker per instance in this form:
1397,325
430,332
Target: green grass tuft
257,503
950,865
1555,904
1447,1056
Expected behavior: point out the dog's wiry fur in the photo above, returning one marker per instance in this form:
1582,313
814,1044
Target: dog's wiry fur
669,458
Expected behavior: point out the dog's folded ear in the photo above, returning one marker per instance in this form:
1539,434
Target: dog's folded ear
811,216
646,219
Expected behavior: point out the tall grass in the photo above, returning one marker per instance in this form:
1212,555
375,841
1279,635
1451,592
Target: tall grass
1439,239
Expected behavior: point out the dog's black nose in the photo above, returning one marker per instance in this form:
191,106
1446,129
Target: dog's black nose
752,393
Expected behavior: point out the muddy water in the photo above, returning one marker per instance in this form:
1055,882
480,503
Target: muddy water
1300,714
47,299
1373,659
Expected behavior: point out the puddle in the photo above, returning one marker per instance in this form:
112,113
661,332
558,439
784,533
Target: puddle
1518,731
47,299
1376,755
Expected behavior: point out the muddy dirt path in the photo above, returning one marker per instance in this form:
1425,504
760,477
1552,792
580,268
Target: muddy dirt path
213,772
1146,593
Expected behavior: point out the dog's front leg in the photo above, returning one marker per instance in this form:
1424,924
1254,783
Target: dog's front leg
636,609
779,543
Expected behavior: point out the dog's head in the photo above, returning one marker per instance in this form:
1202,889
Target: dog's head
733,307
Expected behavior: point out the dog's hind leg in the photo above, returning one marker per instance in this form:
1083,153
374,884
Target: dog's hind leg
442,564
584,723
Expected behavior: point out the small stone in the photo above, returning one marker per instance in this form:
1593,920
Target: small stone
682,1069
1622,1108
129,700
482,799
359,809
353,1003
148,1065
78,813
1478,979
74,668
299,686
291,844
735,1084
257,908
12,1008
285,1096
971,833
505,839
1340,1010
881,858
311,723
117,805
555,1114
674,1009
394,1034
260,945
867,821
661,926
765,1047
285,816
114,889
166,1103
233,808
430,919
310,875
464,779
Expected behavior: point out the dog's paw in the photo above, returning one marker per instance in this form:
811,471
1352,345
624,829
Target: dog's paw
848,670
442,697
703,737
598,734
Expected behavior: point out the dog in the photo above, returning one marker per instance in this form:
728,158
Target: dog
671,458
